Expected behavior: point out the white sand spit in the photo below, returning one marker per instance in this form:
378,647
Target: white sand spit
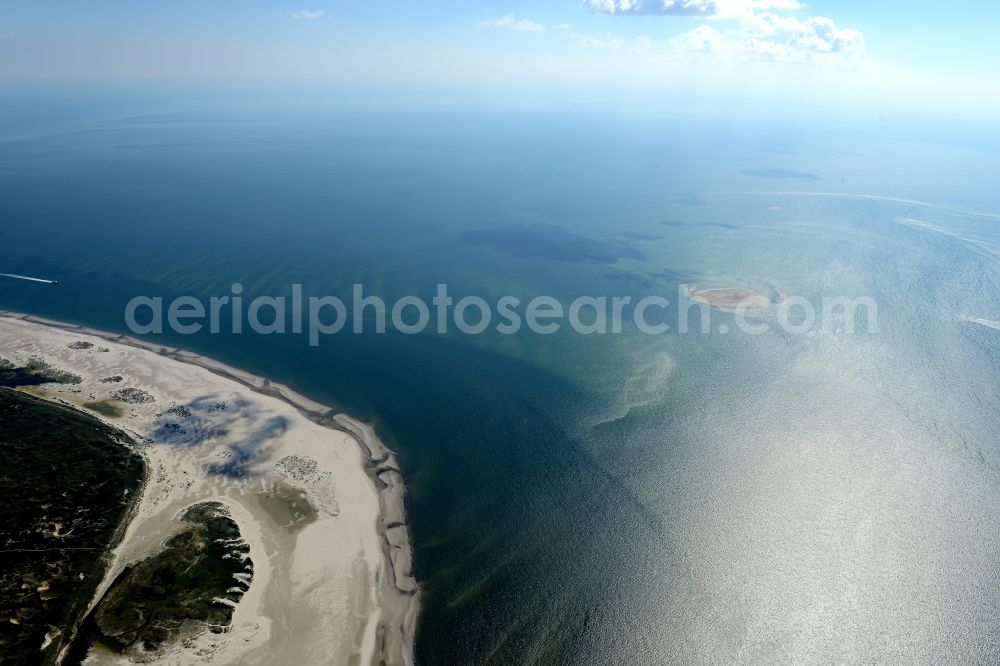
317,496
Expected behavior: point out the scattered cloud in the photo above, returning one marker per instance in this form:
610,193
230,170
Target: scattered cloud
737,9
510,23
773,37
670,7
308,14
744,29
707,8
817,34
703,39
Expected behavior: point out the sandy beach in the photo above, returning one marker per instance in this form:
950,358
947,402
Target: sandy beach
316,495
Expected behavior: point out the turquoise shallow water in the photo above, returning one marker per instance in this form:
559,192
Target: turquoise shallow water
822,497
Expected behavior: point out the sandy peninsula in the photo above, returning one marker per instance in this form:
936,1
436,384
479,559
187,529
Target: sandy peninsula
318,498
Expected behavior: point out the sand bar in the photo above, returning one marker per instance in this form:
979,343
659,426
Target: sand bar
728,297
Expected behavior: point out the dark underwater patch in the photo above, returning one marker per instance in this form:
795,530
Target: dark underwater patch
550,242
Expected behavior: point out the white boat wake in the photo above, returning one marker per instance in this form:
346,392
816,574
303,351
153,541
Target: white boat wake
30,279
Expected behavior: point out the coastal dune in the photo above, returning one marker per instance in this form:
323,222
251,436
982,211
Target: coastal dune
318,498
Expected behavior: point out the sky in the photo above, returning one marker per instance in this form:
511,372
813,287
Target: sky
931,56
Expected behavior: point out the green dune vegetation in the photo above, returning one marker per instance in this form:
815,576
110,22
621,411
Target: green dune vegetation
68,486
192,584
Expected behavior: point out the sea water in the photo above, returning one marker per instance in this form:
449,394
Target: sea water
825,496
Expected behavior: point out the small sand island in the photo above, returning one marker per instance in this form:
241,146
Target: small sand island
728,297
267,529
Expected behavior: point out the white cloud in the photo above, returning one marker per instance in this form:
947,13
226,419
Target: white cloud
817,34
510,23
741,8
745,29
714,8
673,7
779,38
308,14
703,39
